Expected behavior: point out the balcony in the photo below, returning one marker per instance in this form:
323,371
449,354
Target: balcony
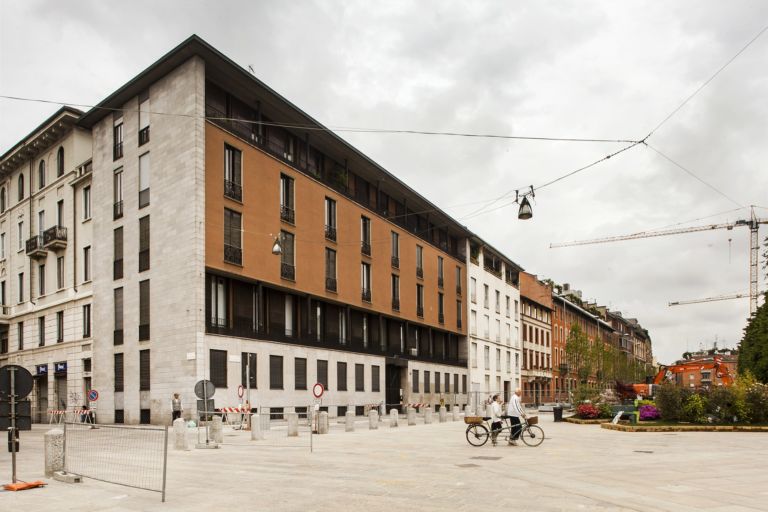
287,214
420,311
420,272
233,190
330,284
117,210
233,254
117,151
330,233
440,282
366,294
117,337
55,238
365,248
458,290
288,271
35,248
5,314
441,318
396,304
143,135
395,262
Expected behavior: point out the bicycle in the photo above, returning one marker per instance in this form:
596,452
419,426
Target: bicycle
479,430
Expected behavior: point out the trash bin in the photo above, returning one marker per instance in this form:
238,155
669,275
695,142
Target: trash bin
558,411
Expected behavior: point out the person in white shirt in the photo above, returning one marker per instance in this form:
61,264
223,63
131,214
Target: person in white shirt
515,411
495,417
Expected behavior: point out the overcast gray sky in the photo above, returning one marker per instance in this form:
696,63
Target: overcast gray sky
561,69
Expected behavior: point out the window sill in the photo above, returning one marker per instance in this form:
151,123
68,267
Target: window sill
234,200
87,220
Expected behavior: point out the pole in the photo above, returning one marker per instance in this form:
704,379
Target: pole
12,430
248,381
165,459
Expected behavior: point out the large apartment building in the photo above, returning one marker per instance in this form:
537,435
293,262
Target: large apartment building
46,256
536,319
494,322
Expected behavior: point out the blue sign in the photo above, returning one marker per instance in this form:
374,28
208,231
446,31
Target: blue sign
93,395
42,369
60,367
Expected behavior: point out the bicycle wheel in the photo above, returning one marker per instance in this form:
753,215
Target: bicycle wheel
532,435
477,435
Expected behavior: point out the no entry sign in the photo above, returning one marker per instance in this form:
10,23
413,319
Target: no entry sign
318,390
93,395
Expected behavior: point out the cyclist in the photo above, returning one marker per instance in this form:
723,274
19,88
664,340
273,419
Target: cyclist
495,417
515,411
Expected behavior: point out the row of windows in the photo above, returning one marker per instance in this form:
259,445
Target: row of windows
144,371
535,360
536,335
42,328
144,313
41,277
486,298
446,382
487,359
487,328
41,179
118,244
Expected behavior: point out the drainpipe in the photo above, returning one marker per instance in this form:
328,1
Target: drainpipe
30,232
74,239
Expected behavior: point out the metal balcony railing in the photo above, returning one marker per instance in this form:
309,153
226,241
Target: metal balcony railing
420,311
365,248
287,214
117,210
233,190
55,237
233,254
117,151
420,272
396,304
366,293
287,271
440,282
441,318
330,284
35,247
143,135
458,290
330,233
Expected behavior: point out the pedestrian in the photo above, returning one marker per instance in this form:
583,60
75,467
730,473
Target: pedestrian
495,417
176,407
515,411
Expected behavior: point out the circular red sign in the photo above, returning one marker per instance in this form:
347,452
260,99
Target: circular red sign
318,390
240,391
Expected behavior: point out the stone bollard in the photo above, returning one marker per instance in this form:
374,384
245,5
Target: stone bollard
217,434
468,411
411,415
349,418
443,414
382,410
428,415
394,416
293,424
257,434
455,411
54,451
322,423
180,434
373,419
265,422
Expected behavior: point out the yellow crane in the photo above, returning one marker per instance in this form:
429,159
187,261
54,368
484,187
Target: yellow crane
754,246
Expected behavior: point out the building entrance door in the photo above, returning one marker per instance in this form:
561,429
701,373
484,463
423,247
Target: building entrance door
507,391
60,389
394,386
41,407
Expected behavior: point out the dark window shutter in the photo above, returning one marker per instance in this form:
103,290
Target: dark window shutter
119,378
359,377
218,369
144,370
341,376
275,372
375,379
301,373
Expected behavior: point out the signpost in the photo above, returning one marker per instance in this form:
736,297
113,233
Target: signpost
204,390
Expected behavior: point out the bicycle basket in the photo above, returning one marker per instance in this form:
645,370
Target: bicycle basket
473,420
532,420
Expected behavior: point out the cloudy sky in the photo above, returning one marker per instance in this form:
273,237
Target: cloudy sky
610,70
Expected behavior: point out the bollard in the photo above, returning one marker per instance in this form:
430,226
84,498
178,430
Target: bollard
293,424
180,434
468,411
455,411
442,414
322,423
411,415
54,451
217,434
382,410
393,417
349,418
428,415
373,419
257,434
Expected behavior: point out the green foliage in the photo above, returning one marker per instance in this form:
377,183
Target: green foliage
756,400
724,405
753,349
606,411
694,408
584,393
669,401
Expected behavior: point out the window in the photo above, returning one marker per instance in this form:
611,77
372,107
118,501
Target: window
300,373
341,376
2,293
275,372
375,379
395,292
118,331
498,330
458,314
60,162
40,280
458,281
487,327
144,180
144,243
287,212
41,175
21,286
440,310
59,326
437,382
289,316
119,374
143,118
60,213
117,136
330,219
473,323
359,377
507,307
2,200
117,192
419,261
87,321
233,252
365,280
426,381
509,361
20,334
144,310
498,359
21,186
395,250
365,235
117,264
498,301
330,269
86,263
86,203
473,290
40,223
41,331
486,294
419,300
287,268
487,357
218,368
144,370
248,368
415,380
440,271
322,372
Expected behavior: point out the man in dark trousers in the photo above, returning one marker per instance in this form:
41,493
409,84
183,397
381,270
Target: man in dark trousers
176,407
515,411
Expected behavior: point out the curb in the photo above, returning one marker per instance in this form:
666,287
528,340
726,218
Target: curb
685,428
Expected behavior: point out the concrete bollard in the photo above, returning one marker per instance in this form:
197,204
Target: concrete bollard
411,415
382,410
322,423
394,416
54,451
373,419
257,434
293,424
428,415
217,433
468,411
349,418
265,422
455,411
442,414
180,434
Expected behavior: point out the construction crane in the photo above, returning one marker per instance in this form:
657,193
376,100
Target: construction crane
754,246
709,299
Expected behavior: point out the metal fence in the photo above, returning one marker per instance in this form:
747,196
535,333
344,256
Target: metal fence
131,456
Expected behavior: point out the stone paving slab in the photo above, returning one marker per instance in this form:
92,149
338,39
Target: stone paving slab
431,468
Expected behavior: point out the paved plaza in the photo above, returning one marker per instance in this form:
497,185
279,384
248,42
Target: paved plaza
430,467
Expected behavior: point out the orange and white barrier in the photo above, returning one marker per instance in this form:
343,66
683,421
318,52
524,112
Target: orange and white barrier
56,416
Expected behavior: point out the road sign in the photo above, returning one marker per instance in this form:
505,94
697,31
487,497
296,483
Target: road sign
93,395
318,389
240,391
22,384
204,389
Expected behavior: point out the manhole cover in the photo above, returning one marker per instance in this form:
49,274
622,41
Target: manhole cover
643,451
468,465
486,458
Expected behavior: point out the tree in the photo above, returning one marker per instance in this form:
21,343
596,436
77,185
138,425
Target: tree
579,353
753,349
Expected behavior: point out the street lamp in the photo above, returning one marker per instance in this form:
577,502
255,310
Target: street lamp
277,248
525,212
